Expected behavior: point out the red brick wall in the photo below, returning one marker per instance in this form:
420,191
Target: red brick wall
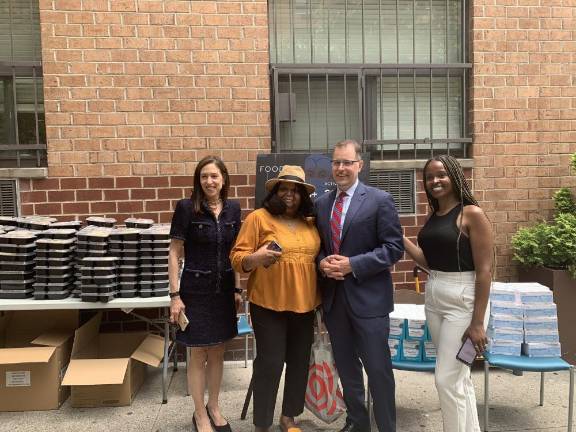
523,111
69,198
137,91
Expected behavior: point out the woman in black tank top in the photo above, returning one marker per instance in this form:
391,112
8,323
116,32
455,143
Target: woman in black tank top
455,245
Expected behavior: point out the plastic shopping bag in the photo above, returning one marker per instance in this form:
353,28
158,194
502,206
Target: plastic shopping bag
323,396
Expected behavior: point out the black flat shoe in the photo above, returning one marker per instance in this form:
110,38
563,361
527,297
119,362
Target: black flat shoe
223,428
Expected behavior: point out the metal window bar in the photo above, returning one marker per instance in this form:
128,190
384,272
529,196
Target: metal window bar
306,83
13,152
283,30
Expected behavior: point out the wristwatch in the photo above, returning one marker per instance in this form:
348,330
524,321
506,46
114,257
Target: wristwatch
174,294
238,290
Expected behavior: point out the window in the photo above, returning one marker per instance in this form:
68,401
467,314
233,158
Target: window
389,73
22,128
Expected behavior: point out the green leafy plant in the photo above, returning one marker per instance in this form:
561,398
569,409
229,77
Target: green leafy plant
564,201
551,244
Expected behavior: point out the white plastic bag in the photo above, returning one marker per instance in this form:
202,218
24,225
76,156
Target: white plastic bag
323,396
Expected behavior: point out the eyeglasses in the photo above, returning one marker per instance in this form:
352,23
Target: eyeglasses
347,163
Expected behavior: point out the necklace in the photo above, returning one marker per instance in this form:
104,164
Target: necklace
290,222
214,203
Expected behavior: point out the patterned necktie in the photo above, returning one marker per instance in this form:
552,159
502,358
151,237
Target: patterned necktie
336,222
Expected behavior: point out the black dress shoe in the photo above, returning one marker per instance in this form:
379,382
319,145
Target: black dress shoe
351,427
223,428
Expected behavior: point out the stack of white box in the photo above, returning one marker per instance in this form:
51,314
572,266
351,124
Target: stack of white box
540,322
523,321
506,324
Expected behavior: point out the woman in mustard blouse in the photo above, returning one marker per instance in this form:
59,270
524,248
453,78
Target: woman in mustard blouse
282,293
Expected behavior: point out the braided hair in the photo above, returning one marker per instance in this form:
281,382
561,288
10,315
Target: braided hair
459,182
460,186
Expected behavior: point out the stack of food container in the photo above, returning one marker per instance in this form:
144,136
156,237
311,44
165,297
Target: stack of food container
154,246
17,252
100,221
35,223
124,245
99,279
75,225
92,243
55,264
138,223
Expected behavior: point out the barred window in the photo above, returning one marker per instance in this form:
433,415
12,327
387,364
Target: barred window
22,128
389,73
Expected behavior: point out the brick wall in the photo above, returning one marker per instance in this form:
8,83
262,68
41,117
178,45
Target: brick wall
523,111
68,198
137,91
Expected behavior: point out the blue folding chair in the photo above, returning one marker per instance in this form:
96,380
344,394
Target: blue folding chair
528,364
244,329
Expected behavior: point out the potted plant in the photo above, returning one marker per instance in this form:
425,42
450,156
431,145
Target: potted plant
547,255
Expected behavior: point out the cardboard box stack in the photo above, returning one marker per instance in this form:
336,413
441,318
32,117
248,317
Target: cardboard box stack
124,245
55,264
17,252
154,246
523,321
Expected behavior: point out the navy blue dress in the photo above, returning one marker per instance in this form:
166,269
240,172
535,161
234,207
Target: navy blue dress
207,283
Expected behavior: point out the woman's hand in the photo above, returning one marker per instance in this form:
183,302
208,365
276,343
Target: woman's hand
238,301
477,335
266,257
176,306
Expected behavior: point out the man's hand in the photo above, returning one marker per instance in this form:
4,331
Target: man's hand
336,266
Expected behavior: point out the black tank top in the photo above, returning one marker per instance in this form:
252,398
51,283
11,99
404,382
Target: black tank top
438,240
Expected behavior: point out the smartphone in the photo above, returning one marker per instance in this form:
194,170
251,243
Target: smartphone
183,320
467,352
274,246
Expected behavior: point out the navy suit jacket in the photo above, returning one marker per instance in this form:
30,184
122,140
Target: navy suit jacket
372,239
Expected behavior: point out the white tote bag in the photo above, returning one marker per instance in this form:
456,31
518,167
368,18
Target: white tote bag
323,396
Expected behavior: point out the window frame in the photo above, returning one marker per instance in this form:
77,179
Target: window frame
369,141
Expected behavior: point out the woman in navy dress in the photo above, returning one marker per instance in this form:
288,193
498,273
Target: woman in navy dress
204,228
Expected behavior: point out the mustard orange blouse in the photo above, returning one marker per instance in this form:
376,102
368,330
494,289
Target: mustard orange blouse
290,283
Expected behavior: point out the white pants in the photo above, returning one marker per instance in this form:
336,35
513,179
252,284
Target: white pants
449,306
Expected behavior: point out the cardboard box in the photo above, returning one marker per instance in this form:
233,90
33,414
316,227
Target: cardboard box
107,369
35,349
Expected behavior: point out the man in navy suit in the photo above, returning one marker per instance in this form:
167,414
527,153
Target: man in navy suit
361,239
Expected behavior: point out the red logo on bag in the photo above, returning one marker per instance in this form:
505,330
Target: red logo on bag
320,386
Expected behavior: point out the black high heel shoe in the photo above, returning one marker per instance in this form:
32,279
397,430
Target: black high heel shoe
223,428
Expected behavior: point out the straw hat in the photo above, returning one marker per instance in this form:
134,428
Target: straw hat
290,174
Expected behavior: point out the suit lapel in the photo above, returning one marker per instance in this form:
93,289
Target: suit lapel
355,204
